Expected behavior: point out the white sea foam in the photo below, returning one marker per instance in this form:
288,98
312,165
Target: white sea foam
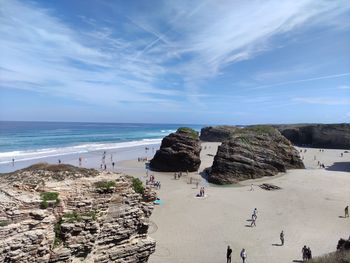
6,157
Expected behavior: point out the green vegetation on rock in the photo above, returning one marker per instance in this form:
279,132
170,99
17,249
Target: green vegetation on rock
137,185
49,196
105,185
4,223
189,131
72,217
58,233
259,129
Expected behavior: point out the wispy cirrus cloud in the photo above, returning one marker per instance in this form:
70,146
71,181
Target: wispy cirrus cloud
322,100
181,40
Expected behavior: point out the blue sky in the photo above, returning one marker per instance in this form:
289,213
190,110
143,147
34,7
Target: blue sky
207,62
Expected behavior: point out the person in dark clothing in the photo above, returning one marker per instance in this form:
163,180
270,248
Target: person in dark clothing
346,210
228,254
282,238
113,164
309,254
304,252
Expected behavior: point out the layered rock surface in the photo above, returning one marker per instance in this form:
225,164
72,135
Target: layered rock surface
89,222
252,153
217,133
331,136
179,151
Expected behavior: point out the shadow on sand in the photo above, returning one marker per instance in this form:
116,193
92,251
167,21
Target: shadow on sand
277,245
341,216
300,261
248,226
339,167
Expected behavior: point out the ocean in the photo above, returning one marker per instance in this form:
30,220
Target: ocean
25,141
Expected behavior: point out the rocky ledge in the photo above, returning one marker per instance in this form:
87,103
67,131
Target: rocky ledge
179,151
61,213
251,153
217,133
331,136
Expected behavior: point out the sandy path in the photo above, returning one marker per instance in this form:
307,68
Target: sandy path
308,209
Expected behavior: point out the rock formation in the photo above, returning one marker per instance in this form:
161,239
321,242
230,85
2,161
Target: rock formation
179,151
252,153
60,213
331,136
217,133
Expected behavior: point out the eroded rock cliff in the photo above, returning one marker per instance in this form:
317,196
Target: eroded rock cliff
60,213
217,133
179,151
331,136
252,153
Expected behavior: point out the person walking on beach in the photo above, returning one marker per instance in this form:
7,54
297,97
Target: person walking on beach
255,213
228,254
253,223
346,210
13,161
113,165
251,187
243,255
304,252
308,253
282,238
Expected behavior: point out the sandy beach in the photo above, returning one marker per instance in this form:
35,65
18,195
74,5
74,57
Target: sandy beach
308,208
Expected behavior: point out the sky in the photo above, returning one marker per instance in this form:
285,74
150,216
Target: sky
198,62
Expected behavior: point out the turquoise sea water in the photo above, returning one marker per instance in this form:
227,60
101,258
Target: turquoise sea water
31,140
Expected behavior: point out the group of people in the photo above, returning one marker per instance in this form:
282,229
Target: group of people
153,182
306,252
243,254
178,175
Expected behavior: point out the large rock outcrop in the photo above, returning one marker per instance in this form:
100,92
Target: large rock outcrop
217,133
331,136
252,153
60,213
179,151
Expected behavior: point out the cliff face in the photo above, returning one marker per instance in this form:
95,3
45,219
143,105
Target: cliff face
252,153
54,214
217,133
332,136
179,151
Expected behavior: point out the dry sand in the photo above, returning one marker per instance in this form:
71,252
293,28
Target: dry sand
309,208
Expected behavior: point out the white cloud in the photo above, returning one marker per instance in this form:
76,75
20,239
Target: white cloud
190,40
322,100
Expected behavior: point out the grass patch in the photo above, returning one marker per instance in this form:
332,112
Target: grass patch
4,223
259,129
189,131
78,217
137,185
105,185
49,196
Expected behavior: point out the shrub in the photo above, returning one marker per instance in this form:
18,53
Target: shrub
4,223
49,196
78,217
137,185
105,185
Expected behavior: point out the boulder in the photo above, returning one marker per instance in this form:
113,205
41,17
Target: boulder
179,151
251,153
217,133
328,136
